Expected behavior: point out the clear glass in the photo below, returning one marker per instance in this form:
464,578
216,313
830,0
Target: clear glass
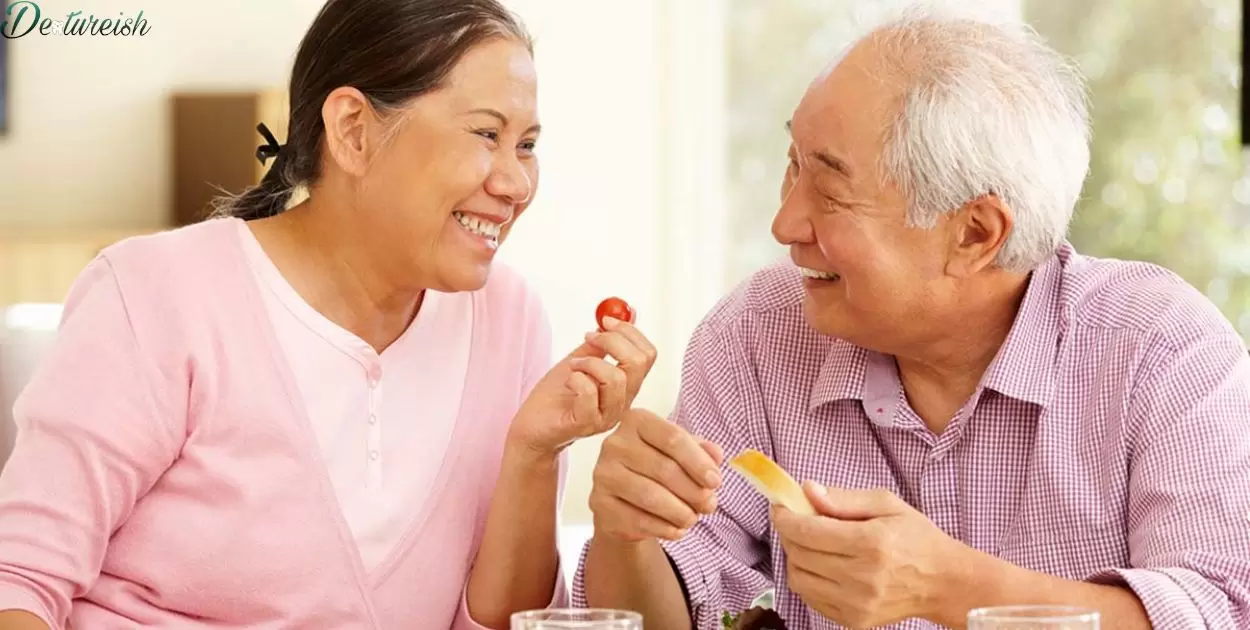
1033,618
577,619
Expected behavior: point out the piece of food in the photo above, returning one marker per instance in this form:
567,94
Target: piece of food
614,307
772,481
754,619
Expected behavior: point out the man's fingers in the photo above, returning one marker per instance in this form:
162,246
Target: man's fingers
618,518
715,450
820,534
852,504
646,495
817,591
829,567
653,464
683,448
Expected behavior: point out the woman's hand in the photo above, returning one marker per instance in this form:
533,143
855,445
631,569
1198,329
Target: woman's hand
585,394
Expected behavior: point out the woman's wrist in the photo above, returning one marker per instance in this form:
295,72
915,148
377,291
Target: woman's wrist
522,457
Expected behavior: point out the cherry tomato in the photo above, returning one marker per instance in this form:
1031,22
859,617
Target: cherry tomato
614,307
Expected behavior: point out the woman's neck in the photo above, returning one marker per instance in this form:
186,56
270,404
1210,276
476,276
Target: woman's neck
335,272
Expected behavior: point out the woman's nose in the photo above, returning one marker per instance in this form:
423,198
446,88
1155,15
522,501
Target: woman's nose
511,181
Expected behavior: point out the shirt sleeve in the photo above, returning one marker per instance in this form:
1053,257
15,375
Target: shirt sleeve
464,621
723,562
92,438
538,361
560,594
1188,508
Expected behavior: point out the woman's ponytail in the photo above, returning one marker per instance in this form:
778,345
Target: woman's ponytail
391,51
271,195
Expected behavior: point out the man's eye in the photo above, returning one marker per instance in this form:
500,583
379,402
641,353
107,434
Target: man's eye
833,203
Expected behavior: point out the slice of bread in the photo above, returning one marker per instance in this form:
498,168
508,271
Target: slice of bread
772,481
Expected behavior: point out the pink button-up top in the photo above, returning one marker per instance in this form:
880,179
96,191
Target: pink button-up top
178,465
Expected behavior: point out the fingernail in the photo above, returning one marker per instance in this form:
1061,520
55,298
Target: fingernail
610,322
818,489
590,335
712,477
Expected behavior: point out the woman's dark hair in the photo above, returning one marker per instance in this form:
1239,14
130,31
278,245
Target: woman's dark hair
392,51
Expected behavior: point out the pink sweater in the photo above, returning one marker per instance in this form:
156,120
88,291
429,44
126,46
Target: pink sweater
165,474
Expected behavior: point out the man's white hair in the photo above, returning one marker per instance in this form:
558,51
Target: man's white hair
987,108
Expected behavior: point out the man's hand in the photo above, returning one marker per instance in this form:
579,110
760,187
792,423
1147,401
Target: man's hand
653,480
868,559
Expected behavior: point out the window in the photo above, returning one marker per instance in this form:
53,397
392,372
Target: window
1166,183
774,49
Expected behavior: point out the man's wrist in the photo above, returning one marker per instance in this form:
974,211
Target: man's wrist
623,547
972,578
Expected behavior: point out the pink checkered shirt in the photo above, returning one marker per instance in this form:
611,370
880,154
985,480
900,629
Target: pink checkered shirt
1109,441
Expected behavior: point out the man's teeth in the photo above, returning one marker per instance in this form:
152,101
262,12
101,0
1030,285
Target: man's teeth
478,226
818,275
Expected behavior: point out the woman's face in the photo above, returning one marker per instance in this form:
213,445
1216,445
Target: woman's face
442,193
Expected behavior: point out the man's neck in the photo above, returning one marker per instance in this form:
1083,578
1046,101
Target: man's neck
940,375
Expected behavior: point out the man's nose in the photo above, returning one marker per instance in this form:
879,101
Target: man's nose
792,224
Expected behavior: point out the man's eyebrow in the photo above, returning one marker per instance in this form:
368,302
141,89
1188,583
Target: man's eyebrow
824,157
832,162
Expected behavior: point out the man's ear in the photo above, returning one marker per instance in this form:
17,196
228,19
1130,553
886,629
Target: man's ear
978,232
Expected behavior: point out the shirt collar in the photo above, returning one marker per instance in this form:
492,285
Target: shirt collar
842,374
1024,368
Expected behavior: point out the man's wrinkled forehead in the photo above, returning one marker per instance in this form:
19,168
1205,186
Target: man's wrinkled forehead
840,122
824,73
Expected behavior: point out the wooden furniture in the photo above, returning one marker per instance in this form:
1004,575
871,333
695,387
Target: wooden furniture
40,266
214,145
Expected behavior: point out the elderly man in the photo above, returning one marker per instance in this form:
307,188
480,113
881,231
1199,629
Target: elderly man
984,416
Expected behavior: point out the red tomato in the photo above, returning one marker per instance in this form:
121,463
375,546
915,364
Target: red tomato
614,307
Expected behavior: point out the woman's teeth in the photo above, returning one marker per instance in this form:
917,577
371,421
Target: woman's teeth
818,275
478,226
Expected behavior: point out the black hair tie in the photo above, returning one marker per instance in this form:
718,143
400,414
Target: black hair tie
271,148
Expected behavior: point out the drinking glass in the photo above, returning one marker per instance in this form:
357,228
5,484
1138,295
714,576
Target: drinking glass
1033,618
577,619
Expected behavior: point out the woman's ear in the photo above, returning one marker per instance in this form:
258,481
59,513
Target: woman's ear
348,116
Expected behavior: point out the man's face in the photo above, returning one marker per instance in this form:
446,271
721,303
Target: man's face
872,280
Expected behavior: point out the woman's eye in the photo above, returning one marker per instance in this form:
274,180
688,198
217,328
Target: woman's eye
493,136
528,145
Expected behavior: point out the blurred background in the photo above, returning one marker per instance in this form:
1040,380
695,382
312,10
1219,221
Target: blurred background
662,152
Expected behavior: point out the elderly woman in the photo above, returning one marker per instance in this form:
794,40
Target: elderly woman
337,415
